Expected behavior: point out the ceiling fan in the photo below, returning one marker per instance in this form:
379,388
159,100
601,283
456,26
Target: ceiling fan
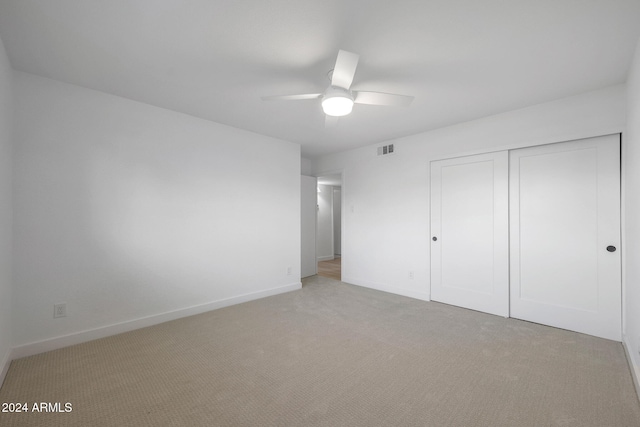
338,98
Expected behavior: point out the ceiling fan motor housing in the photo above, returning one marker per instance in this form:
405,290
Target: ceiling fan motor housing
337,101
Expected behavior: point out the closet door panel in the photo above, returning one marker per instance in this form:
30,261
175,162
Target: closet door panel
469,230
564,214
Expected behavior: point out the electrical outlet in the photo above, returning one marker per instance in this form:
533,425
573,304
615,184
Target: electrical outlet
288,271
411,275
60,310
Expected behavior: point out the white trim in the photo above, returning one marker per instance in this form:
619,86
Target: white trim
574,136
118,328
623,227
634,363
4,366
424,296
326,258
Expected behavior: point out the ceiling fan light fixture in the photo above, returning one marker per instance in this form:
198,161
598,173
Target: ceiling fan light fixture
337,102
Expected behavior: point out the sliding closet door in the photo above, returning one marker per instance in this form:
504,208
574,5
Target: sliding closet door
565,235
469,231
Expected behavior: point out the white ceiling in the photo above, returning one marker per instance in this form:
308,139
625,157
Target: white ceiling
461,59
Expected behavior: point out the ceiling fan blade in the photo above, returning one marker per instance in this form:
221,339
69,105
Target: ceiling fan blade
380,98
345,69
330,121
292,97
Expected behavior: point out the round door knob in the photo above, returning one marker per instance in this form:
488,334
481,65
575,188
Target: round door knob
434,238
611,248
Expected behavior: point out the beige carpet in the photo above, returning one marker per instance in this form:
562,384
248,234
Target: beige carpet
332,354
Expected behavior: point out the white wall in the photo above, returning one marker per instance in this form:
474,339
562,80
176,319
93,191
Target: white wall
6,114
305,166
631,165
386,198
132,213
324,242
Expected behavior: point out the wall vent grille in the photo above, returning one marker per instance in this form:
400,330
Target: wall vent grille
385,149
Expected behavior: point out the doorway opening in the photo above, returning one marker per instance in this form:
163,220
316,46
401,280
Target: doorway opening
329,226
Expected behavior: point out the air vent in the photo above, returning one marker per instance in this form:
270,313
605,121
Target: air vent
384,150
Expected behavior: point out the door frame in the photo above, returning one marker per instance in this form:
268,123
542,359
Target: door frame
342,210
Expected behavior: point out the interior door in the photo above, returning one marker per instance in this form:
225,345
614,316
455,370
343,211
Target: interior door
308,209
469,231
565,235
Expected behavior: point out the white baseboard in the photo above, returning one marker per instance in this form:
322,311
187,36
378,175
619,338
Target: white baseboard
326,258
424,296
4,366
118,328
634,364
